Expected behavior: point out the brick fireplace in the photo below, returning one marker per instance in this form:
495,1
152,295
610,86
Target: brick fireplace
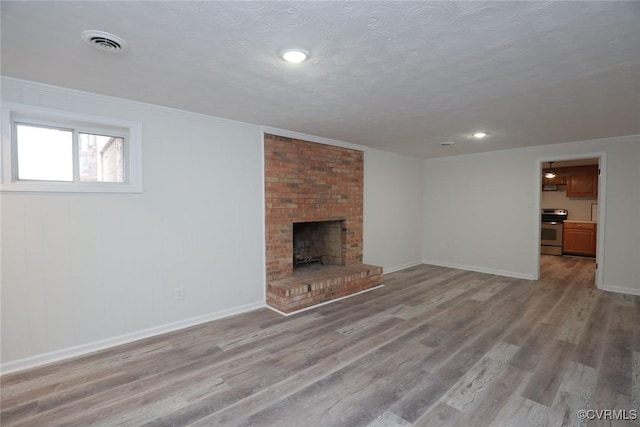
313,214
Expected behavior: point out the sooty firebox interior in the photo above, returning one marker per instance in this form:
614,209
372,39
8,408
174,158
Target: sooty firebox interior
319,242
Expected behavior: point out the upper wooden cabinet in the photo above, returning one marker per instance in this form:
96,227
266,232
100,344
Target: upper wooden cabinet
582,181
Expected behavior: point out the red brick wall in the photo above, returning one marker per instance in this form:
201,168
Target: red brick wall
305,181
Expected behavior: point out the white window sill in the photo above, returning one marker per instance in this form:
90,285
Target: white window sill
69,188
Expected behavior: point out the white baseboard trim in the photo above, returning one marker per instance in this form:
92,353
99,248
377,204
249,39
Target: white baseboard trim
497,272
621,290
401,267
322,303
79,350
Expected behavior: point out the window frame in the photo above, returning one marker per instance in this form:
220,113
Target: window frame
131,132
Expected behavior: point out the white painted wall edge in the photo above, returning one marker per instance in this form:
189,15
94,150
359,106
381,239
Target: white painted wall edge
263,212
79,350
401,267
621,290
313,138
497,272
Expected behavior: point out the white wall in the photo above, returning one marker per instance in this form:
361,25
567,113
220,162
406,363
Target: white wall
479,210
392,210
84,271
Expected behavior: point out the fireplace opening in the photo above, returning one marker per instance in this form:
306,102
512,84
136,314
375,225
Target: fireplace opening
319,243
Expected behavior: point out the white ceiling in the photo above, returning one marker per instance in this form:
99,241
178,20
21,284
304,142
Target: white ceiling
399,76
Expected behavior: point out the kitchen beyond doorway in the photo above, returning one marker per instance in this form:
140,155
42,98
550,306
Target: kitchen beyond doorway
575,185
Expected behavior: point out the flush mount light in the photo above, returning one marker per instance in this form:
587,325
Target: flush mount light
294,56
104,42
479,134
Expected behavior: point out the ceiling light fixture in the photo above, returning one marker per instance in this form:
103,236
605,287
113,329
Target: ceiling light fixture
550,174
479,134
104,42
294,56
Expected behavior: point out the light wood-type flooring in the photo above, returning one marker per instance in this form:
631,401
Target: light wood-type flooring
434,347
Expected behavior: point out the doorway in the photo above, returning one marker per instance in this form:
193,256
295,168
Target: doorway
575,184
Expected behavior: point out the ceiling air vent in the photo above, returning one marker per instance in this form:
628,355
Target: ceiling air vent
104,42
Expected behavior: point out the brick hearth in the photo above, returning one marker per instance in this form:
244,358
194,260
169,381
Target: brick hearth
309,182
313,285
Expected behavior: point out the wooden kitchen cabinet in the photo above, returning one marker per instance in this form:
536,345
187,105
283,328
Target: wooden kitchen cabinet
582,181
579,238
558,180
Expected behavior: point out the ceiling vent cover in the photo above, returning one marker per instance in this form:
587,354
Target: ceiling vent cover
104,42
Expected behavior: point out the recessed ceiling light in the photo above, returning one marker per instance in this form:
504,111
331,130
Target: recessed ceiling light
479,134
294,56
104,42
447,143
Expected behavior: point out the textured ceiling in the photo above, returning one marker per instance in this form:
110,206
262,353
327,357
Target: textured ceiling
399,76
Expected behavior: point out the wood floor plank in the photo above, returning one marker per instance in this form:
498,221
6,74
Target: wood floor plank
542,303
434,347
591,345
624,401
485,410
491,288
463,286
574,325
575,393
476,380
615,368
503,352
421,395
421,291
520,411
439,415
389,419
636,340
533,350
163,407
546,378
559,313
635,383
471,386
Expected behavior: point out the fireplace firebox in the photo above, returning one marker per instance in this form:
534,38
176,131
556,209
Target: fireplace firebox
321,242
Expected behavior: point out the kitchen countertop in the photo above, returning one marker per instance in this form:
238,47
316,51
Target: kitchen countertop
581,222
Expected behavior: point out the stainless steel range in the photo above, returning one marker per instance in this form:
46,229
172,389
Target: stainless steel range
551,231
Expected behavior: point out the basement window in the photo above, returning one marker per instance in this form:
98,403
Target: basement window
45,150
